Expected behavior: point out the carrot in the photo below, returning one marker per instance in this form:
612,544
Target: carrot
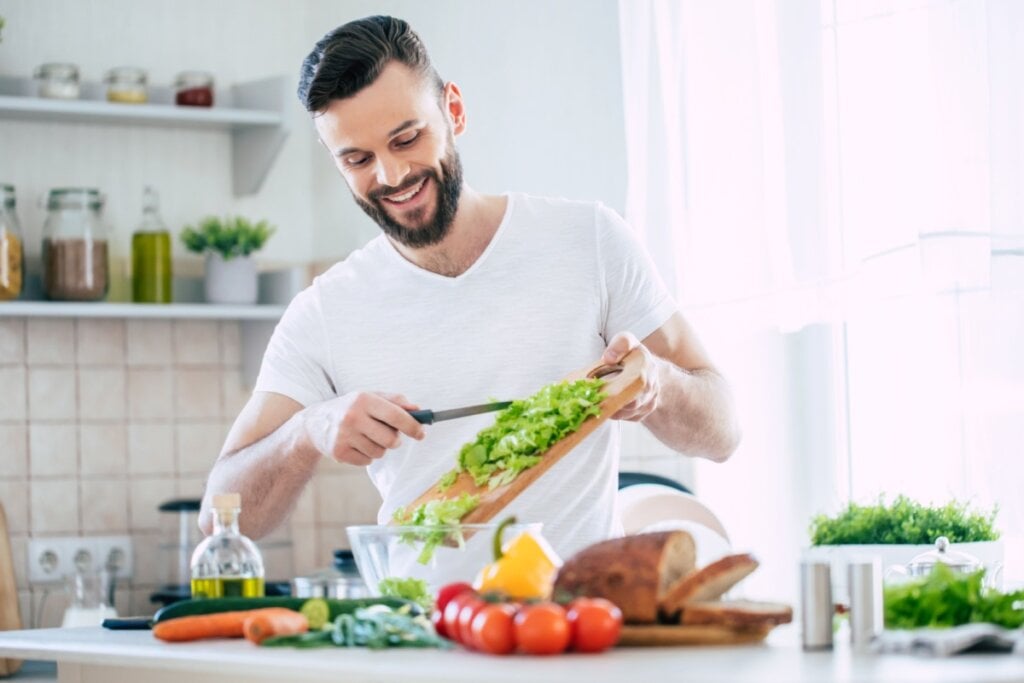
217,625
274,621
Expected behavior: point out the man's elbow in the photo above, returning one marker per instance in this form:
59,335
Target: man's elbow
726,445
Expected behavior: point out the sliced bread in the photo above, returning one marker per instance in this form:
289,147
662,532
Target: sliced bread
634,572
707,583
737,614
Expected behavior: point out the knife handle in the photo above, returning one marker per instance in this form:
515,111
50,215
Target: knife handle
425,417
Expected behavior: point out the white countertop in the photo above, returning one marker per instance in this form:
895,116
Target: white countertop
781,659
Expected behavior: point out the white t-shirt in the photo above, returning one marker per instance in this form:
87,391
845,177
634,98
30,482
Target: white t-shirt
557,282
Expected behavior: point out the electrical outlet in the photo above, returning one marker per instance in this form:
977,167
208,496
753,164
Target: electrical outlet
51,559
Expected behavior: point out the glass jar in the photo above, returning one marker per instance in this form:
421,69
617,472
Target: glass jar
342,580
151,255
194,89
227,564
75,259
12,251
127,85
58,81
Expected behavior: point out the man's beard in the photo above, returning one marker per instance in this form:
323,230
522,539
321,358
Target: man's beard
449,188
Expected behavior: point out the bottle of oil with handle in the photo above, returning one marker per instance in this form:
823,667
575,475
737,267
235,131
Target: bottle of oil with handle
227,564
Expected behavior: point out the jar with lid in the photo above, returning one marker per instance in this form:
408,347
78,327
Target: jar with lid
226,563
127,84
151,255
12,252
75,258
194,89
58,81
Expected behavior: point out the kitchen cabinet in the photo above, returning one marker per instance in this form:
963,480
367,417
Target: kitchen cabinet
252,113
94,654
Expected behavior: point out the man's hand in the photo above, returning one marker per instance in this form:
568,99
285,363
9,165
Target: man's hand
360,427
647,400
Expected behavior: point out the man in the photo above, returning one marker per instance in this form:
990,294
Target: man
464,297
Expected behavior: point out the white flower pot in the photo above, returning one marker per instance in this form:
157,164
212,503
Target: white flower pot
230,282
990,553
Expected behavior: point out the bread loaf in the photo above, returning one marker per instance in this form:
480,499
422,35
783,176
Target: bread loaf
634,572
739,614
707,583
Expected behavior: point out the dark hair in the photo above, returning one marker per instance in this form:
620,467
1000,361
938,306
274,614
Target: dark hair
350,57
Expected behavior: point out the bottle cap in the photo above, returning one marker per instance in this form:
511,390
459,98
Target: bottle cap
230,501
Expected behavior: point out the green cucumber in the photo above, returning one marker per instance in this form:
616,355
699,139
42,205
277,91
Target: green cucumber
191,608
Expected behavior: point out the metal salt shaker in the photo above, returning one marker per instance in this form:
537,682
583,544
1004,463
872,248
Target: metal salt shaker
867,615
816,605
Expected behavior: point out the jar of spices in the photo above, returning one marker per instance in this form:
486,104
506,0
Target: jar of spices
194,89
127,84
58,81
75,259
151,255
12,254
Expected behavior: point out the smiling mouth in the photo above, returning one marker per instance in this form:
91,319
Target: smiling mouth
407,195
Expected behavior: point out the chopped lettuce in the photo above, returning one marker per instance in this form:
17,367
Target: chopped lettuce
408,589
443,512
447,480
947,598
526,429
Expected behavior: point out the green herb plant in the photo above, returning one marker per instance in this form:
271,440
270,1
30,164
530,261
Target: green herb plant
229,236
904,521
444,514
947,598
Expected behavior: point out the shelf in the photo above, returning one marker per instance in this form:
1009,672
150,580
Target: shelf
67,309
253,114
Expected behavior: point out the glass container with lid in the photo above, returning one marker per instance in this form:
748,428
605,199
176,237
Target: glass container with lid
12,252
923,564
58,81
75,258
226,563
194,89
127,84
151,254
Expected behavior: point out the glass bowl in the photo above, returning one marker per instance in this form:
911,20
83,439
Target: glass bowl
436,554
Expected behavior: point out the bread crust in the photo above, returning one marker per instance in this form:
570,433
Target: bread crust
707,583
738,614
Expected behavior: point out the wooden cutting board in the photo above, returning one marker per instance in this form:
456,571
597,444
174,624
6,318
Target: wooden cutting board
10,618
658,635
621,387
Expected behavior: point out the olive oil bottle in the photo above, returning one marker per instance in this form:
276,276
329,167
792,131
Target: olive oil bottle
226,563
151,255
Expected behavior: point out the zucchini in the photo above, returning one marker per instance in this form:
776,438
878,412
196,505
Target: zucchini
193,607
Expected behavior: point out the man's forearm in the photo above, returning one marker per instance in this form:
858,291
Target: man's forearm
695,413
269,474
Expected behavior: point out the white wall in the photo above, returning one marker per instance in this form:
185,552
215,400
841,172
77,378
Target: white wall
236,40
542,85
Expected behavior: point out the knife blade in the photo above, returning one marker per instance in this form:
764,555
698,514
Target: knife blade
430,416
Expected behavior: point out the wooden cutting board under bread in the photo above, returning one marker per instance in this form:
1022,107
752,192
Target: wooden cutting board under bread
10,618
624,382
656,635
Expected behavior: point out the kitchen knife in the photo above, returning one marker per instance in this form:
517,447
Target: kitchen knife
430,417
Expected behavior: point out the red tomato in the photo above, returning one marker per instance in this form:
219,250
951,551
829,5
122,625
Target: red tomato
451,612
437,619
493,629
595,623
448,592
542,629
470,608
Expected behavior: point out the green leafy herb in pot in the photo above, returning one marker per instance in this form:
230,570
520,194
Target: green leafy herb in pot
905,521
408,589
229,237
947,598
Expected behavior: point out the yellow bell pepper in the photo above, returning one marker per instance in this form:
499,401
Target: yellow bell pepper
524,569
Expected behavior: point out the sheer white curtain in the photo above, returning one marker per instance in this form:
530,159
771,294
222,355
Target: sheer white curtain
834,189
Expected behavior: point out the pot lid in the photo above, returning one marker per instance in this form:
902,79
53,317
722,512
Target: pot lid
963,562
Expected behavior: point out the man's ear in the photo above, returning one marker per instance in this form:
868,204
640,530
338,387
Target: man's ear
455,108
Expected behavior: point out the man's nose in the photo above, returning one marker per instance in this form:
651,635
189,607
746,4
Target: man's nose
391,171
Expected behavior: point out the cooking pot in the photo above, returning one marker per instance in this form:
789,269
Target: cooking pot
342,580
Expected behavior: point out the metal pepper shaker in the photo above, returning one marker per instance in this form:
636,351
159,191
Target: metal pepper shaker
867,614
816,605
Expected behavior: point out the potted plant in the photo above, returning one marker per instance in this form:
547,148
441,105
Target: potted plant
230,274
899,532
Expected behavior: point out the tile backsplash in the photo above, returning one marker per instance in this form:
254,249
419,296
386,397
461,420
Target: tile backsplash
102,420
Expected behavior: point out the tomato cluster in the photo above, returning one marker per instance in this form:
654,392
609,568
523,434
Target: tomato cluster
541,628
